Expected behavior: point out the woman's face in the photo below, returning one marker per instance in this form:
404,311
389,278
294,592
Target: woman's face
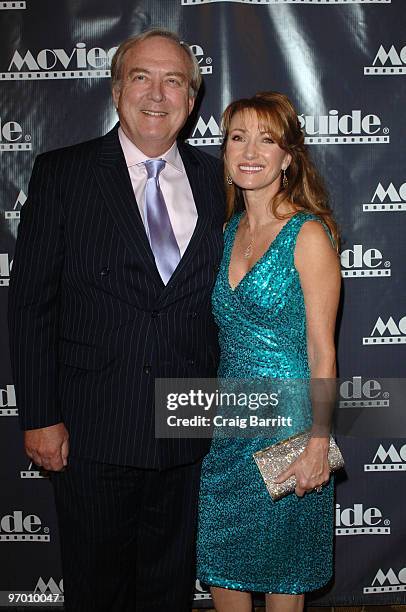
253,160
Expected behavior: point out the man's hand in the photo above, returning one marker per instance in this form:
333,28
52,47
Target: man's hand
48,447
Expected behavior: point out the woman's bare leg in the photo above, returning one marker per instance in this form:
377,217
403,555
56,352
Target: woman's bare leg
229,600
278,602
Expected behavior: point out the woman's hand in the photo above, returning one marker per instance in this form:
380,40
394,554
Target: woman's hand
311,468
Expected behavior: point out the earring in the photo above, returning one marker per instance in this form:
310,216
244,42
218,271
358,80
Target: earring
285,182
229,179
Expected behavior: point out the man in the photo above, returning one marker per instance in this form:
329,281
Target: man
114,266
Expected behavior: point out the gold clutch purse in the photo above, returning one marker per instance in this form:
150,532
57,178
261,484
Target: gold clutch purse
275,459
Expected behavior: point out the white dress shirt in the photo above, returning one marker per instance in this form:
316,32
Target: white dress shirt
174,185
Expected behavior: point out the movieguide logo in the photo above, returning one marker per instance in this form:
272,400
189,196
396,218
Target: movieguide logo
318,2
350,128
77,63
12,137
387,198
333,128
205,62
389,331
387,581
18,204
17,527
5,269
8,406
388,62
200,592
363,393
31,473
80,62
388,457
358,520
359,262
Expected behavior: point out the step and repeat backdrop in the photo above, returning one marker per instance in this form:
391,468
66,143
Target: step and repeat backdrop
343,63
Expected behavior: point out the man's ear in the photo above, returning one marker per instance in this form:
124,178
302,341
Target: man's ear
191,103
116,96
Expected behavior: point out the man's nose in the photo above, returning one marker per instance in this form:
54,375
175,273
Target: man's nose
156,91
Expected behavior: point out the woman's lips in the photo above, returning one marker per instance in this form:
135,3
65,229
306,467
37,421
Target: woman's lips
250,169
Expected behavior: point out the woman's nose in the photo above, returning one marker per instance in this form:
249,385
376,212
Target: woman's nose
250,150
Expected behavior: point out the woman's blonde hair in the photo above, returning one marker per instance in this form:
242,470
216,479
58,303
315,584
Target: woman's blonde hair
305,190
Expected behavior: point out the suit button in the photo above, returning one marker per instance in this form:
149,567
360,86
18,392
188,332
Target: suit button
193,315
104,271
147,369
154,314
191,362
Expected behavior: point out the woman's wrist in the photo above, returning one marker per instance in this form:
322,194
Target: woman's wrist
319,443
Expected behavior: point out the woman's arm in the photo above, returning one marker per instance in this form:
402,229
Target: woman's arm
319,271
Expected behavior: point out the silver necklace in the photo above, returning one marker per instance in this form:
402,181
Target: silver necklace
248,251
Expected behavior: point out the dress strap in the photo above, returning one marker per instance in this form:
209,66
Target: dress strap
300,219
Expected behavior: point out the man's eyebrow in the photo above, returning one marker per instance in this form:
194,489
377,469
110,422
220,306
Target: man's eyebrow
177,73
139,70
136,69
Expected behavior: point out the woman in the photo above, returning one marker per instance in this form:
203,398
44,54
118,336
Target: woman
275,302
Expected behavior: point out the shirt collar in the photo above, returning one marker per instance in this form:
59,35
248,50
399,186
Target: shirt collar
135,157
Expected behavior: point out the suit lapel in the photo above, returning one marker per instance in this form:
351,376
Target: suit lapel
196,175
115,185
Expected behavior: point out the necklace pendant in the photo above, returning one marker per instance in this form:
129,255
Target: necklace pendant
248,251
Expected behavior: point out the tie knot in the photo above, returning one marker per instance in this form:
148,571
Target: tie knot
154,167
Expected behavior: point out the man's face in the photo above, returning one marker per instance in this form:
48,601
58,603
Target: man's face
153,101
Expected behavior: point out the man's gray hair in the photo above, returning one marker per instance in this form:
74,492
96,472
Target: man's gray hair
195,77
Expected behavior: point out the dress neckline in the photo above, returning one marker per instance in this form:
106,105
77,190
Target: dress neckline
256,264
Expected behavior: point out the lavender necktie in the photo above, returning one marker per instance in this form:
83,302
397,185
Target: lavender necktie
158,225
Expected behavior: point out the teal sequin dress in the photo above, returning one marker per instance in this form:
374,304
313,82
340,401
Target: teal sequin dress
245,540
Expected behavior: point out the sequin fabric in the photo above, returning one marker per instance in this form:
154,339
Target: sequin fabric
245,540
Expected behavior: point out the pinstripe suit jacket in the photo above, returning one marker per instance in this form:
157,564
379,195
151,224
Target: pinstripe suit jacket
91,323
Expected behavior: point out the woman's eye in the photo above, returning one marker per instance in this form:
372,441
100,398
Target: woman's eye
268,140
236,137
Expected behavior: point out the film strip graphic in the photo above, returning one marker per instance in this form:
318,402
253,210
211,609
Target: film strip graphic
375,403
5,6
385,467
54,74
384,70
366,272
24,537
309,140
51,75
384,207
344,531
384,340
385,589
331,2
